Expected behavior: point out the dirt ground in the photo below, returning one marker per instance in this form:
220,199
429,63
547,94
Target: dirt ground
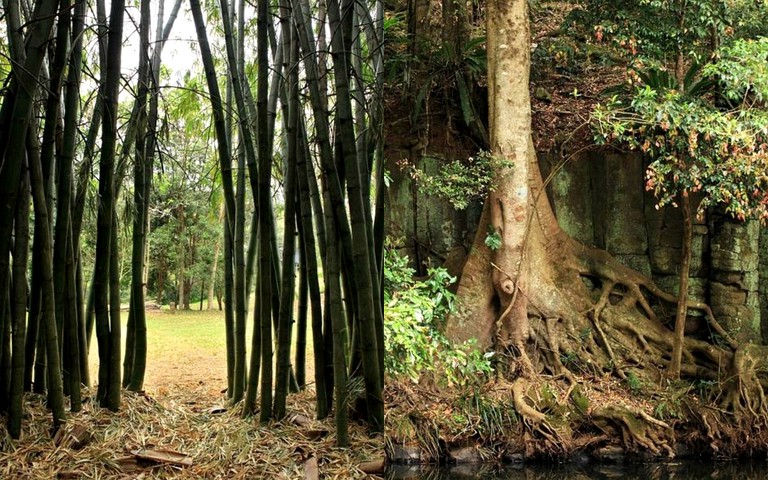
183,410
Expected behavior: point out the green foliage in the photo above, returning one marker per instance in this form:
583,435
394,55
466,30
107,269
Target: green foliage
184,206
5,64
668,410
693,144
584,334
414,314
461,182
493,239
490,417
569,359
650,31
742,71
706,133
634,383
580,400
703,387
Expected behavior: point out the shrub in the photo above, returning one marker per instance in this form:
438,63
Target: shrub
414,317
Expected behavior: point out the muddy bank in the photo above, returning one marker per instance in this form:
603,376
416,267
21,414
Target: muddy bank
597,420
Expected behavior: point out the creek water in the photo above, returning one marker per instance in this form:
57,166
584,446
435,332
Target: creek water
680,470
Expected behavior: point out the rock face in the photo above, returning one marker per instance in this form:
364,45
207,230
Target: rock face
599,199
618,216
431,230
734,277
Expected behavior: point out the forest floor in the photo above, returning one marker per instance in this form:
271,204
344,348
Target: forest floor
181,425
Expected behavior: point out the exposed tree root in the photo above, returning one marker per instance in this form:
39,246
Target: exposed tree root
608,325
535,423
638,430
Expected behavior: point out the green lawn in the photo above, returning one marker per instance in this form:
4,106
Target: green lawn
186,348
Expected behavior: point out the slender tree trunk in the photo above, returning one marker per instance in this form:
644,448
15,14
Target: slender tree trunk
682,298
105,248
74,333
361,238
47,158
136,334
33,322
301,321
215,267
181,280
19,311
15,119
264,194
115,383
68,305
229,314
5,355
287,284
340,343
48,310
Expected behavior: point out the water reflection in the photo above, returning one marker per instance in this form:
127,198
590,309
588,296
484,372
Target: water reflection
684,470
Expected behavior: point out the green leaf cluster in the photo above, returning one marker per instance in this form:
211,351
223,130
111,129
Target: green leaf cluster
461,182
700,139
653,31
414,315
493,239
742,71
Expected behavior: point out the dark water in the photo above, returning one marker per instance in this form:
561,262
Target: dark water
683,470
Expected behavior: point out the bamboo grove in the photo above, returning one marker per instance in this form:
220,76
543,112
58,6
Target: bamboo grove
296,110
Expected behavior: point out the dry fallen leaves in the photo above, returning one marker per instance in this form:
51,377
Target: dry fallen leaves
174,437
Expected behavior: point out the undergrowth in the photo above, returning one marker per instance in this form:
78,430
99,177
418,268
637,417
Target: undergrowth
414,317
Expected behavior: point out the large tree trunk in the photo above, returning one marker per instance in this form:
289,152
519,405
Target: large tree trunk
510,206
551,302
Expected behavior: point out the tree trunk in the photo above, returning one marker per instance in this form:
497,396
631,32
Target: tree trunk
66,250
361,234
50,128
287,292
115,382
340,343
300,355
264,201
215,267
181,281
109,386
48,309
136,334
76,336
15,118
507,212
229,313
19,310
682,296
